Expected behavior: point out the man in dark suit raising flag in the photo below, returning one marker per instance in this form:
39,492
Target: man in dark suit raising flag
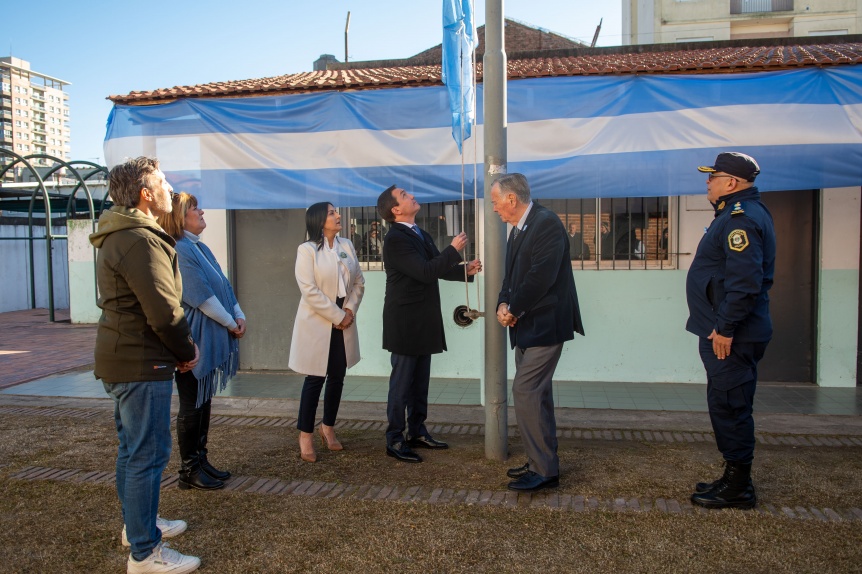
539,304
412,320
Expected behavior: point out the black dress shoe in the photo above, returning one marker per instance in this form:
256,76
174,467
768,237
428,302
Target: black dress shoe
518,471
426,442
402,452
532,482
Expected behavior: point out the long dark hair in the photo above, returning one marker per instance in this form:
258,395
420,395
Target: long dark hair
315,218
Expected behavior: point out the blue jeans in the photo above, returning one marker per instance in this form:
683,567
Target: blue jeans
142,413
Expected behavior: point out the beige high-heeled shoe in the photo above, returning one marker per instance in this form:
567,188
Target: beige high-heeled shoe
333,444
306,447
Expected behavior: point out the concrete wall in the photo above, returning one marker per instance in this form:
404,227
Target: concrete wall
817,24
82,273
668,21
838,307
644,23
266,242
836,299
15,266
82,279
634,319
216,237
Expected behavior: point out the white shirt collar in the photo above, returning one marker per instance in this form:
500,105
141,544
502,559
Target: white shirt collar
191,236
334,248
524,217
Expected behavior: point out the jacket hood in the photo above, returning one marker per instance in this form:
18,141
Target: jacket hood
122,218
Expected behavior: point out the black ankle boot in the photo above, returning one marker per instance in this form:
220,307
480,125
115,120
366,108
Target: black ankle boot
702,487
212,471
194,477
734,489
202,445
191,474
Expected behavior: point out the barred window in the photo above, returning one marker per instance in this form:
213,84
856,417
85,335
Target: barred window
617,233
442,221
609,233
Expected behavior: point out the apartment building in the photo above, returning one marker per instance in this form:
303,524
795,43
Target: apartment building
34,112
676,21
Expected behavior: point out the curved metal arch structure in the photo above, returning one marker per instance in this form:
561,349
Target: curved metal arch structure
40,192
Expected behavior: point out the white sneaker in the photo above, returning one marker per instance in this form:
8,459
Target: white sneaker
164,559
169,528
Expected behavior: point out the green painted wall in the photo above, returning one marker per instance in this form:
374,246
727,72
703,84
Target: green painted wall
463,359
635,324
837,328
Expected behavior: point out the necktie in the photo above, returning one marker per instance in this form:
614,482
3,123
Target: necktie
515,232
417,230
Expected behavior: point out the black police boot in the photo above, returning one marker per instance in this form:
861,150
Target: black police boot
702,487
734,489
202,445
191,475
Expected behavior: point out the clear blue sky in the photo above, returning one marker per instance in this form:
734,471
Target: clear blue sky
106,47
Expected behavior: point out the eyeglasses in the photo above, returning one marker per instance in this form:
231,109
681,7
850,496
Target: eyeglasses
712,176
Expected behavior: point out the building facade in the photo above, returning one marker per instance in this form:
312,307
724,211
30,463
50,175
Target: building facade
679,21
34,112
637,218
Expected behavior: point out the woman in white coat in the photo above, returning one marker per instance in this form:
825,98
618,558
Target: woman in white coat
325,342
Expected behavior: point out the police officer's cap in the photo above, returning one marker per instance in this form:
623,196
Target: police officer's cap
734,163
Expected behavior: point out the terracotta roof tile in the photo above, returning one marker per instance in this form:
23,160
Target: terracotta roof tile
733,59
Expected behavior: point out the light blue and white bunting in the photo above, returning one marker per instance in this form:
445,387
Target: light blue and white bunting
574,137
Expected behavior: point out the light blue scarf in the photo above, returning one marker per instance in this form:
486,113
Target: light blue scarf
203,278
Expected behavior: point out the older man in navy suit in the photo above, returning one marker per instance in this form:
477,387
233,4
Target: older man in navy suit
539,304
412,320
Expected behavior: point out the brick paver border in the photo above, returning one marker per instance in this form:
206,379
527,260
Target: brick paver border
653,436
427,495
52,412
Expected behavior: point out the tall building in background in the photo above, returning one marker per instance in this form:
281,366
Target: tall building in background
34,112
671,21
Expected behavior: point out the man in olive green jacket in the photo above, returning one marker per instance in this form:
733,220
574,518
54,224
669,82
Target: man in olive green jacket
141,340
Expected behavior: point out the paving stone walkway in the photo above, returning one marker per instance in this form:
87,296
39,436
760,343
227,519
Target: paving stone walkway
426,495
654,436
274,486
31,347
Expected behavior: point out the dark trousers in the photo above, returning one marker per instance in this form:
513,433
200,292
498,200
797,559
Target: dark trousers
336,368
408,392
193,422
533,395
730,388
187,390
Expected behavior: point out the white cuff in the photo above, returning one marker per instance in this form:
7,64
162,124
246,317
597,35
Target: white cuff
216,311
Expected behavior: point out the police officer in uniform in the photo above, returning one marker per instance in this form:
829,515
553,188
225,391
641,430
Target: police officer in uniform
727,291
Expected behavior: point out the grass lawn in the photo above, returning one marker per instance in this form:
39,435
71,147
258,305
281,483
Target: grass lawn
69,527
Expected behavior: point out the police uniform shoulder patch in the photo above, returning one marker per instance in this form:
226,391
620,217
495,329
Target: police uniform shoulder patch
738,209
738,240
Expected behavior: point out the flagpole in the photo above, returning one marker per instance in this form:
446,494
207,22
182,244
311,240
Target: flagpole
496,164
